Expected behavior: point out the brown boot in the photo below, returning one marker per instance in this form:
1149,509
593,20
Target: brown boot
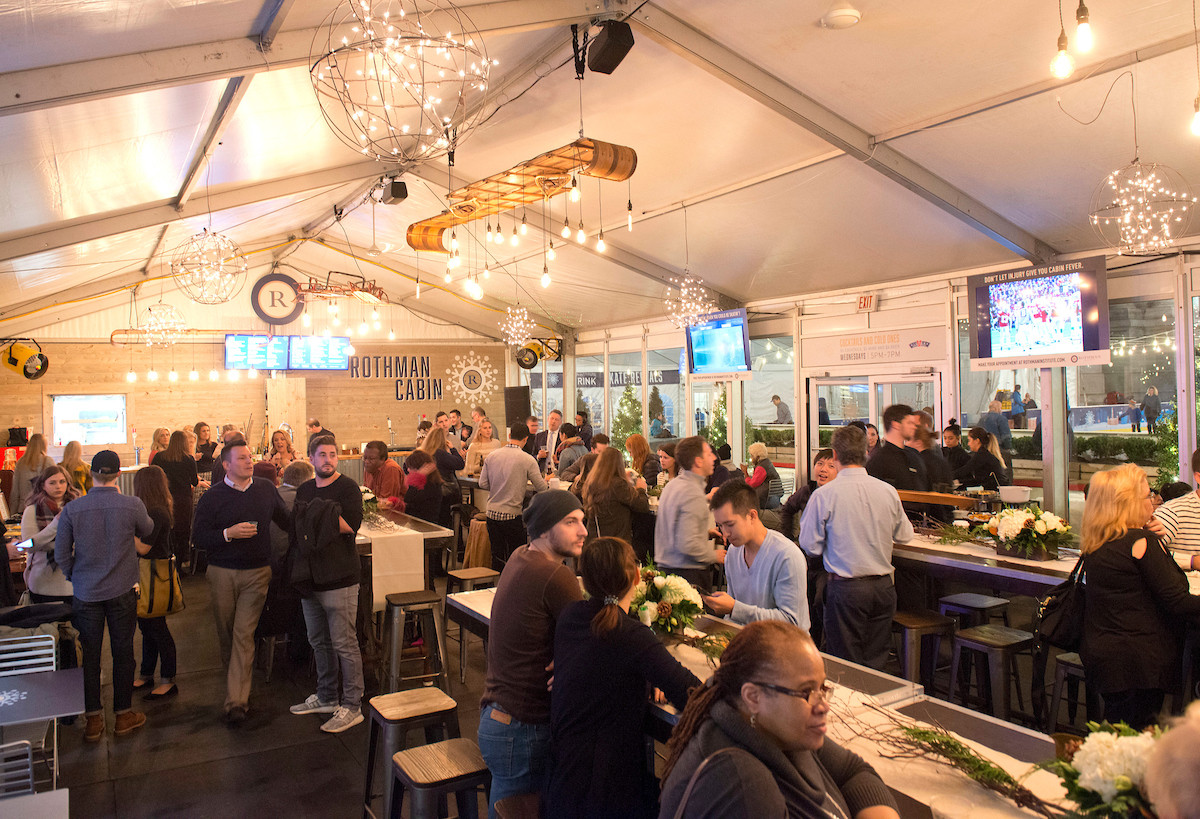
128,722
94,729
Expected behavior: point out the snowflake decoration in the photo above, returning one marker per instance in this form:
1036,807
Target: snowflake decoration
11,697
471,377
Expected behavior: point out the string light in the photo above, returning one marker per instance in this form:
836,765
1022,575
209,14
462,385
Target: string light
516,327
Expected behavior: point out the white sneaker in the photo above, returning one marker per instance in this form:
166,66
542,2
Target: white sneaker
342,719
313,705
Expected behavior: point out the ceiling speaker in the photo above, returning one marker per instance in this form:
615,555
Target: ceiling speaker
394,192
610,46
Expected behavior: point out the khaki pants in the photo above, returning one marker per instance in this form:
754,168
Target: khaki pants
238,596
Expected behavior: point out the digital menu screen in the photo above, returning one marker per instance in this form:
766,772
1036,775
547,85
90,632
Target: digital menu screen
254,352
319,353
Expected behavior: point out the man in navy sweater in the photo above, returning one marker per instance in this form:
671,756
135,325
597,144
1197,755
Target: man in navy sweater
233,524
331,609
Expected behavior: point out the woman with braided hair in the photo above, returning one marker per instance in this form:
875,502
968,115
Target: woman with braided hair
604,663
751,742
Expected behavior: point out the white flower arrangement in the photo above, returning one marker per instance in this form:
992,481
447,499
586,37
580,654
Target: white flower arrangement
1104,773
1026,529
665,601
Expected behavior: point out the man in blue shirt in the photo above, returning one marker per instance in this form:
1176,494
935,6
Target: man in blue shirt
766,573
1017,413
851,523
94,548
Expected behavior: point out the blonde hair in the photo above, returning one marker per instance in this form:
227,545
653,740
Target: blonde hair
154,444
1114,505
35,451
758,451
72,456
435,441
989,443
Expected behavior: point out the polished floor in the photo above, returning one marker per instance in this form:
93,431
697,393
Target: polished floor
187,762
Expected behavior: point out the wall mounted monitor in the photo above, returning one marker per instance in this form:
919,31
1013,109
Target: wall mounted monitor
719,343
1049,316
319,353
256,352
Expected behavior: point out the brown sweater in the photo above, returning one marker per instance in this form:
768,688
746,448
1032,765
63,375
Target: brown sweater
533,591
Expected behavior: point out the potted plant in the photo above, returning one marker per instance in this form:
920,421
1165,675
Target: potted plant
1026,532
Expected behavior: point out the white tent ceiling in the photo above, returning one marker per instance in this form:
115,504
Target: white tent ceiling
928,138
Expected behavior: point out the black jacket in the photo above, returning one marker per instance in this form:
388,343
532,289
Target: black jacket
319,559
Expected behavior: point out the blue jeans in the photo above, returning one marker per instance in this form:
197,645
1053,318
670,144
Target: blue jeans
517,755
330,617
120,614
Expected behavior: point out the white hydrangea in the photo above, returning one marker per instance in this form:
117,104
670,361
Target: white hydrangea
639,591
1107,762
659,581
676,589
1053,522
1008,527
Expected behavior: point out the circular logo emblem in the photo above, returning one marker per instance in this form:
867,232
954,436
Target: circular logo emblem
274,299
472,377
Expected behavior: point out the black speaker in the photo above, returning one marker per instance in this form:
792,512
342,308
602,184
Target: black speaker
516,406
610,46
394,192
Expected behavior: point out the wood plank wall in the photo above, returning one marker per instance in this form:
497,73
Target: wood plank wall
354,404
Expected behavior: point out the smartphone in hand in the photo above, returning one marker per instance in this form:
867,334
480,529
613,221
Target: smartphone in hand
25,545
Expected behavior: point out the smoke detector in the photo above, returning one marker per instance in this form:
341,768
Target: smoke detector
841,15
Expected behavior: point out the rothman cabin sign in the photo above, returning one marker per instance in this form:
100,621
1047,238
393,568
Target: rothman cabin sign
469,378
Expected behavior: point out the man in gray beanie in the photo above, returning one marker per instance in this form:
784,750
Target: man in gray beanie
535,586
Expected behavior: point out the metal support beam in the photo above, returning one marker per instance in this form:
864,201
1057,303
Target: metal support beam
38,88
83,293
91,228
235,92
159,246
795,106
56,314
273,15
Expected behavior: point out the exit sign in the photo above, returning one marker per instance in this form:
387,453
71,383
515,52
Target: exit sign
868,303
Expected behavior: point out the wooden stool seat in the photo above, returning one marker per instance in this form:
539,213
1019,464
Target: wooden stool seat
428,772
422,605
973,609
918,658
999,646
466,580
521,806
396,714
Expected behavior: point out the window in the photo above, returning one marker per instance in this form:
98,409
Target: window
666,398
589,389
89,419
625,396
771,360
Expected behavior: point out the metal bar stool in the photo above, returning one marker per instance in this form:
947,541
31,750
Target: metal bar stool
999,646
465,580
973,609
396,714
429,772
423,605
1068,670
918,657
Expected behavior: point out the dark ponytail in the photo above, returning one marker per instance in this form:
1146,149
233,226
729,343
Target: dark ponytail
751,655
609,571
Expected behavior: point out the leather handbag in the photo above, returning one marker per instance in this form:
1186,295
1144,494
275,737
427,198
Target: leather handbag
159,590
1059,615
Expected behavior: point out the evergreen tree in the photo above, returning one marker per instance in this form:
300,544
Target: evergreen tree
656,403
717,431
628,418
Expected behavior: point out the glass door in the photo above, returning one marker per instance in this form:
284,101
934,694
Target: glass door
921,392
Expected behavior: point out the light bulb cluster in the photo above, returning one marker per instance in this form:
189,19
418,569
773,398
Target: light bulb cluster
690,303
1063,64
516,328
209,268
161,325
400,79
1139,209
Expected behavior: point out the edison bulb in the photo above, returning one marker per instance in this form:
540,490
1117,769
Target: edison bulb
213,375
252,373
1083,38
131,377
600,245
516,239
1196,120
581,236
362,329
545,278
193,376
152,375
233,375
566,231
306,319
551,254
172,376
1062,66
349,349
391,335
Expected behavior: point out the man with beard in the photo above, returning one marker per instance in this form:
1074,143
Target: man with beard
534,588
331,608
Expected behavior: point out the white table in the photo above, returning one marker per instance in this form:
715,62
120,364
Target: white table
47,805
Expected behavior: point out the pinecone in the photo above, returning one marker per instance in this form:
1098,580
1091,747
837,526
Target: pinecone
664,610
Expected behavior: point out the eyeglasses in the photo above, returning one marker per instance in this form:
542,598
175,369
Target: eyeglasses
806,694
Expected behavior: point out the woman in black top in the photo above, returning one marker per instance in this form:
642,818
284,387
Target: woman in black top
423,487
985,466
767,703
952,449
180,469
610,500
604,665
1138,601
150,484
205,447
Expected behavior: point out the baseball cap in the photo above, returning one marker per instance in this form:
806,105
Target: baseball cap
106,462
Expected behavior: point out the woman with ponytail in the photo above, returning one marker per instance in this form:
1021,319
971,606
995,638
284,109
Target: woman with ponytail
952,449
752,741
604,663
985,467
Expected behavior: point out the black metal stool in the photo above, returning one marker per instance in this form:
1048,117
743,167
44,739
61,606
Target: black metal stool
429,772
397,714
423,606
971,609
918,658
999,646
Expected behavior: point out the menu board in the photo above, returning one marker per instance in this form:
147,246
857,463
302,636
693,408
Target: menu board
256,352
319,353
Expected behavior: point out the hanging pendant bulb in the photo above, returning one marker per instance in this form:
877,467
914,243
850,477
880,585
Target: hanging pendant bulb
516,239
448,276
574,195
581,235
487,273
1196,118
524,225
306,319
600,245
454,240
193,376
629,214
545,276
489,231
131,376
213,375
152,375
391,335
1063,64
172,376
566,229
1083,30
551,254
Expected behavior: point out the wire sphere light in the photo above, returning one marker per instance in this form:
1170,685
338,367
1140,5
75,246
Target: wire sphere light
209,268
1141,208
517,328
400,80
692,302
161,325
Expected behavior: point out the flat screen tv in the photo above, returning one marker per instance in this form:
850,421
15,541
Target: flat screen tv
1054,315
719,343
256,352
319,353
